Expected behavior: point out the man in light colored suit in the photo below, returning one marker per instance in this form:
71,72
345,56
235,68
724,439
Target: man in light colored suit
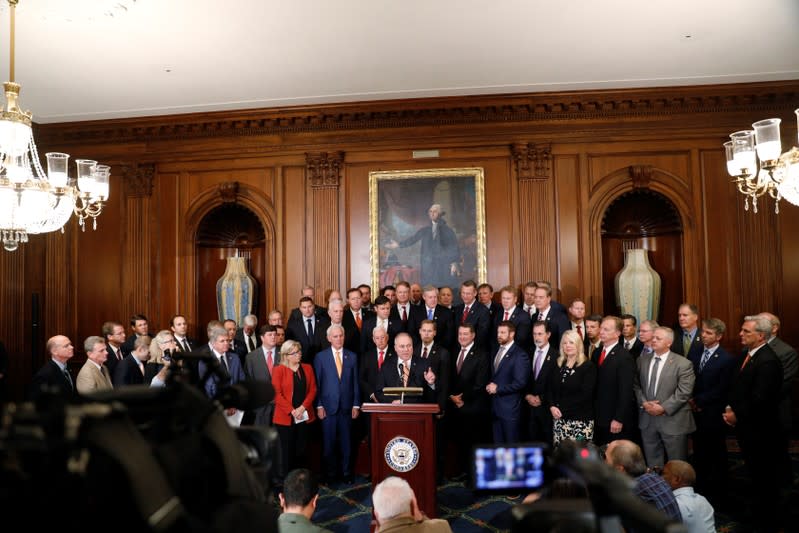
258,366
93,375
664,383
338,401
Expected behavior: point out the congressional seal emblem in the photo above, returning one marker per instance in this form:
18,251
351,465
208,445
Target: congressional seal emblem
401,454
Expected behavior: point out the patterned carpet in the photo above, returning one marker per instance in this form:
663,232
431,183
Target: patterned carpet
348,508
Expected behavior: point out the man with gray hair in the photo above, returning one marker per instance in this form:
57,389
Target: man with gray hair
396,509
753,412
663,385
247,334
93,375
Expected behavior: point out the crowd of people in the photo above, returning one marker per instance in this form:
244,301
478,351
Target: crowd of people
515,367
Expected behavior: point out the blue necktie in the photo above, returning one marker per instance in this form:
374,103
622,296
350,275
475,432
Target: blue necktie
429,314
703,362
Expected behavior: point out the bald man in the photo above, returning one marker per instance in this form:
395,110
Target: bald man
54,374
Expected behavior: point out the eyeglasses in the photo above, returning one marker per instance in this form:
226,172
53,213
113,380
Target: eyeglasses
297,352
167,341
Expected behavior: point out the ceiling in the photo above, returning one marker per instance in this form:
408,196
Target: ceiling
98,59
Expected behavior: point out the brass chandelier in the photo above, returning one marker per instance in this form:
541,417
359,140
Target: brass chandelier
32,201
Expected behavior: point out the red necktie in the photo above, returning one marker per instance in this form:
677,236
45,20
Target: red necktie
460,359
506,316
424,352
580,331
379,359
404,314
269,362
465,314
602,357
746,360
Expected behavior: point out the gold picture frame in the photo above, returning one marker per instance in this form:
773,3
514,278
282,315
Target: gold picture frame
401,226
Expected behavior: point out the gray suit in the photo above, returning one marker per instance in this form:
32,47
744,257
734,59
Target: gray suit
790,366
668,433
255,368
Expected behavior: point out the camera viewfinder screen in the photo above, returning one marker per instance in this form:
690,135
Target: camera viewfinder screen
508,468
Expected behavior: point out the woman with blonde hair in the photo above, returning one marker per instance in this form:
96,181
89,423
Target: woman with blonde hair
571,392
295,390
156,369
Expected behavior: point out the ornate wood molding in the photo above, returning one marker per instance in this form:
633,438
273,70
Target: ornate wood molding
446,111
641,175
138,179
532,161
323,169
228,191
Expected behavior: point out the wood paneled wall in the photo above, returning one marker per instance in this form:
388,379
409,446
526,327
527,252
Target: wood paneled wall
553,163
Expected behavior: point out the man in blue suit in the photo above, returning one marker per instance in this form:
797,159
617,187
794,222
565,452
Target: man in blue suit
510,372
229,370
715,369
338,401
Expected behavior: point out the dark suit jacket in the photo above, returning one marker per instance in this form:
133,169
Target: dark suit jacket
524,328
395,315
368,371
296,330
318,310
540,386
471,382
696,348
234,375
127,372
712,388
394,326
446,331
389,376
439,362
635,349
334,394
479,317
755,396
614,389
127,346
255,369
790,366
111,362
50,376
558,323
352,335
511,378
240,340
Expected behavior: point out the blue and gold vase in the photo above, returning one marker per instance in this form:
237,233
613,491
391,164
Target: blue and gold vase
235,291
638,286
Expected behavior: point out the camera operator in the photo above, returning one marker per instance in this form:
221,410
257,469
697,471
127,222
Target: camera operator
396,509
298,500
627,457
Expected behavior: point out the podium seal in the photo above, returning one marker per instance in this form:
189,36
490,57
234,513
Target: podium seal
401,454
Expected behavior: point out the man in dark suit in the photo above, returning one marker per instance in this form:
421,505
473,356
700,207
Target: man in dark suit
576,314
509,377
715,370
790,367
615,415
663,385
473,312
114,334
353,319
247,334
234,346
508,310
485,295
558,321
371,363
338,402
381,318
431,310
228,370
439,253
258,365
401,311
140,327
629,335
132,369
179,327
469,407
54,375
753,411
545,356
308,330
404,370
309,292
687,338
437,358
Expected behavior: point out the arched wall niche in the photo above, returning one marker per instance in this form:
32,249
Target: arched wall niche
222,221
633,187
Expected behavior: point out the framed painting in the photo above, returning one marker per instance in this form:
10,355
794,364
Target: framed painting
427,227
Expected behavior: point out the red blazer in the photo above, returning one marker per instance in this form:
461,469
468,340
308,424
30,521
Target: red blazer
283,383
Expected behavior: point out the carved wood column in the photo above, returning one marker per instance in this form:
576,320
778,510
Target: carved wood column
12,298
138,179
59,284
323,174
760,261
532,165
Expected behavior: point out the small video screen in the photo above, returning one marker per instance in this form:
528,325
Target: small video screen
498,468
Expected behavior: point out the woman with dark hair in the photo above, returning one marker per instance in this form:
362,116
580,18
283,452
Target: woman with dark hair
295,391
571,393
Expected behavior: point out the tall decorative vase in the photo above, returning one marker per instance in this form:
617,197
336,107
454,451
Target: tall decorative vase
235,291
638,286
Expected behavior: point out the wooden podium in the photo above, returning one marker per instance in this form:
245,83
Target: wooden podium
403,444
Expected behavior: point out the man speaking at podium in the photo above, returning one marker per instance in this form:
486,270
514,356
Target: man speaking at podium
404,370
